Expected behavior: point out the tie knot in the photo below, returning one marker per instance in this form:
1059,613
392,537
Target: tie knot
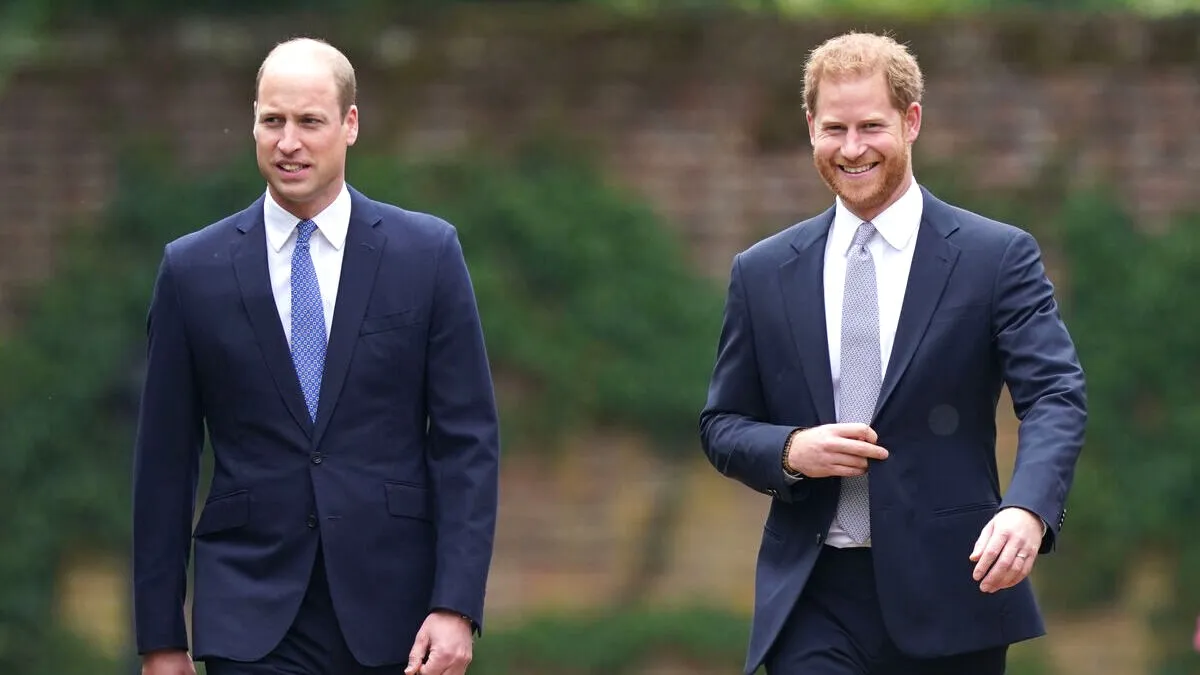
305,229
863,234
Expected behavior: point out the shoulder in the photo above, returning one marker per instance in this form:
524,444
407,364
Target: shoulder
411,223
413,228
972,229
774,250
212,239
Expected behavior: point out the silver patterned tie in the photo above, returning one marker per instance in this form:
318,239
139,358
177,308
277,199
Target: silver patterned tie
861,372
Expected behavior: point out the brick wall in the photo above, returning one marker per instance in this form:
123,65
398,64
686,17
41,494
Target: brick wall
703,118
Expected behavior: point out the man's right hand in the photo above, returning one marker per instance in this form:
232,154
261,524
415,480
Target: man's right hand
173,662
834,450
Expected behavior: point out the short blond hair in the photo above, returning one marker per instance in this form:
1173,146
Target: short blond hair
339,67
857,54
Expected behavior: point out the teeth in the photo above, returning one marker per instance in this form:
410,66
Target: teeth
859,169
290,167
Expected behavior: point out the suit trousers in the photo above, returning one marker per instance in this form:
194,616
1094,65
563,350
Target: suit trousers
836,628
313,645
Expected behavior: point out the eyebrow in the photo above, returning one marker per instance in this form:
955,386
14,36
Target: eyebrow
868,120
264,113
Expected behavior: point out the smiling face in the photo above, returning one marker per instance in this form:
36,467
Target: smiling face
862,144
301,133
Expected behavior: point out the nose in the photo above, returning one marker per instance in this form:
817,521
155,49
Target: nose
852,145
289,142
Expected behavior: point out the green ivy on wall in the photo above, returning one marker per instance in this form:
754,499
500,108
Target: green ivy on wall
1137,327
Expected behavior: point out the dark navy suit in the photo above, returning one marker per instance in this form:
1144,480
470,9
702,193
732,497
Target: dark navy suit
395,484
978,312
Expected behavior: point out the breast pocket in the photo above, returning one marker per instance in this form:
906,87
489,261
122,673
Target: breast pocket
389,322
969,314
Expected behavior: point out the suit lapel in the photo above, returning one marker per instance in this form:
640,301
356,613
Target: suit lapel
249,257
360,261
933,260
802,280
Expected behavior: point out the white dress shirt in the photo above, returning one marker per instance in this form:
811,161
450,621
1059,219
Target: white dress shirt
326,245
892,248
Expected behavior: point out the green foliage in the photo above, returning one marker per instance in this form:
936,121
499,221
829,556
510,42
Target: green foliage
77,10
616,643
1136,329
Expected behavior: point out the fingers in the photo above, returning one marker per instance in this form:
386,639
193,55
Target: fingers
1011,567
834,450
982,540
857,448
416,656
437,663
1004,559
991,553
843,471
854,430
449,661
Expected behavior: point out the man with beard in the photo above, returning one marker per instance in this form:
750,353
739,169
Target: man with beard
856,383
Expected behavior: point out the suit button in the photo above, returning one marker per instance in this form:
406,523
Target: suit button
819,537
312,522
316,458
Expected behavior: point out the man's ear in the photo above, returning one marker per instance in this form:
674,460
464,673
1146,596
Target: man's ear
351,123
912,122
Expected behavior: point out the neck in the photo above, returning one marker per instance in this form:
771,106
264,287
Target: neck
307,210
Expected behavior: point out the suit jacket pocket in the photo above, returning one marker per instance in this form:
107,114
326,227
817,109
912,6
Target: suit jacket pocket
408,501
386,322
965,508
224,512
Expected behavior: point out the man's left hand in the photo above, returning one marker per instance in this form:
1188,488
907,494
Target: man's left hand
1006,549
445,638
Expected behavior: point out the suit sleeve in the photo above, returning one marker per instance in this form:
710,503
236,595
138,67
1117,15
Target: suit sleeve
734,431
464,439
169,439
1046,382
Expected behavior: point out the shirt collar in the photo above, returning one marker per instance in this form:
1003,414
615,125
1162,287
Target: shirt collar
332,223
897,224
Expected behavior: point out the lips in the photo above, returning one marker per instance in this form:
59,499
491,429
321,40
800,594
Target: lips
292,168
857,170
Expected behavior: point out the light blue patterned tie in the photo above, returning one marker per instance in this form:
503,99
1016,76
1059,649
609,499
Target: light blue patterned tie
308,319
861,372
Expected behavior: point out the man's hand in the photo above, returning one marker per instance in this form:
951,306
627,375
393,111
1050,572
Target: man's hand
445,638
1006,549
834,450
172,662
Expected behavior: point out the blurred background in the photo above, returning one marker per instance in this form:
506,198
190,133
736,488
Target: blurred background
603,160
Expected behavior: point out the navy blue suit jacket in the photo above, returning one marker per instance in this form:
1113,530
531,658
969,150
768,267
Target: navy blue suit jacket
397,478
978,312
